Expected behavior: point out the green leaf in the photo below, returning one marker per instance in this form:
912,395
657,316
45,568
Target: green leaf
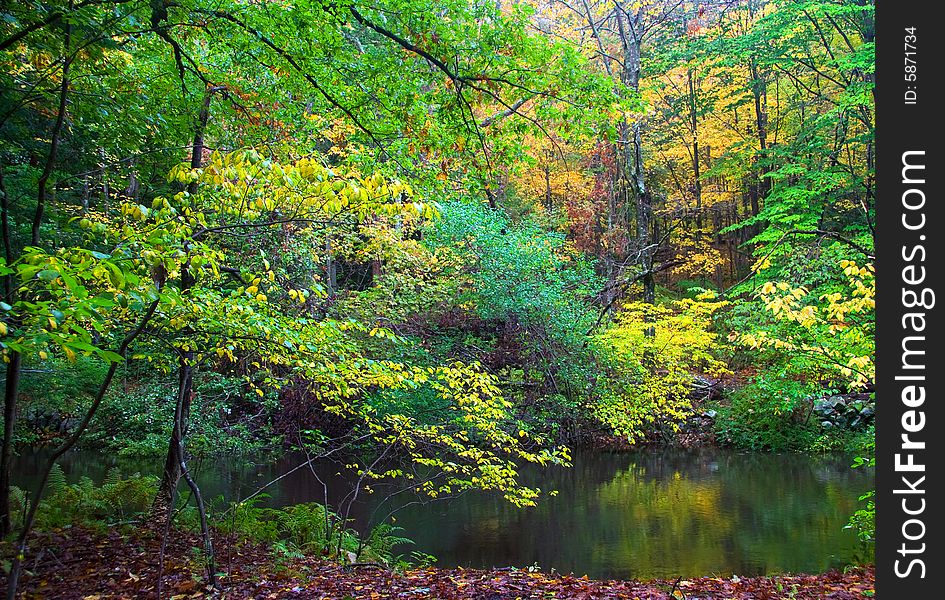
115,276
111,356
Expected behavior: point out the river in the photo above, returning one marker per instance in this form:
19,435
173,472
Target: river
648,513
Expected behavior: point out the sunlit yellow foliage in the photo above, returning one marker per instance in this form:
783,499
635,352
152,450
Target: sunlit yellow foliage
563,184
474,445
697,257
836,328
650,376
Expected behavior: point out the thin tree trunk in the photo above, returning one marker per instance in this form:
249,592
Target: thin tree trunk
204,525
42,183
10,397
172,464
759,92
610,252
331,270
644,224
11,391
20,547
630,29
5,232
105,192
696,166
172,471
175,465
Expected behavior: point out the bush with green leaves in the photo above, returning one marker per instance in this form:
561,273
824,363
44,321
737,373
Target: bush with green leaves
775,412
770,413
118,499
136,420
304,529
531,299
54,395
648,357
863,521
519,270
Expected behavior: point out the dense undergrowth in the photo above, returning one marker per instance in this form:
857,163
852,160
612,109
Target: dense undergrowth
126,503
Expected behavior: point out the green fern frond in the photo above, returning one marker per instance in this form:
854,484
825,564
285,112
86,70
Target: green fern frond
57,480
112,477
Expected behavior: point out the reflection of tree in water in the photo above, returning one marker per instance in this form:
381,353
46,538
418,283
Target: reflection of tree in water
715,511
640,514
661,516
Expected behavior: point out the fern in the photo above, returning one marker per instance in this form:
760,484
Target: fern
305,525
18,504
91,505
307,528
382,540
248,520
57,480
112,477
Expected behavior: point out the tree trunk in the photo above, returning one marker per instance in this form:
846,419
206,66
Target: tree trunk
331,269
19,551
11,393
172,471
759,92
43,182
10,397
630,28
696,166
172,464
14,367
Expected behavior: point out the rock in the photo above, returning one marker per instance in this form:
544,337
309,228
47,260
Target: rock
851,411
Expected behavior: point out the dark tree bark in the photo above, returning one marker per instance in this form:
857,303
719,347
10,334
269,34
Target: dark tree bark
11,389
14,367
185,391
696,161
21,542
10,398
630,27
54,138
759,92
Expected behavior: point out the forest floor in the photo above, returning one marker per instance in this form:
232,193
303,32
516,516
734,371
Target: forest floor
82,564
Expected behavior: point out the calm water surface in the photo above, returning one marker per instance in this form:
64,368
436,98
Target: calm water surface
649,513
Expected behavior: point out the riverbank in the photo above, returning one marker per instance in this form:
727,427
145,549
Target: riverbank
82,564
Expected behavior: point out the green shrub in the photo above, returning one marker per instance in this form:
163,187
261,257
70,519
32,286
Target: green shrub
774,412
863,521
52,394
138,421
303,529
117,499
834,439
768,414
381,542
648,356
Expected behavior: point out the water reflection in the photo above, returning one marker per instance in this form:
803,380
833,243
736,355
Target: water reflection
651,513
